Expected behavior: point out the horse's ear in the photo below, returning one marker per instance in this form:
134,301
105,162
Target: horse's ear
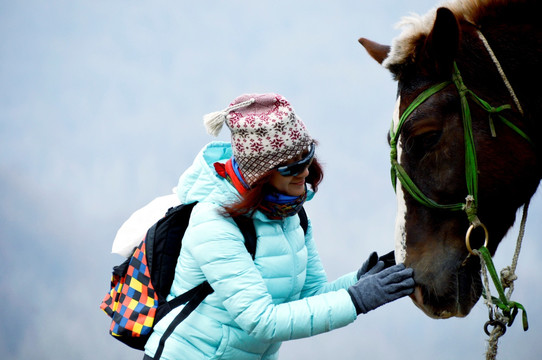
442,43
377,51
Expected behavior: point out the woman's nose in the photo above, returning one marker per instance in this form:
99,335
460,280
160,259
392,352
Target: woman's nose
304,173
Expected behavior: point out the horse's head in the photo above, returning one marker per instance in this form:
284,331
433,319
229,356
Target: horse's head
437,165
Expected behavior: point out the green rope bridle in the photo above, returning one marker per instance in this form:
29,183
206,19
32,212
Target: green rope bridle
510,308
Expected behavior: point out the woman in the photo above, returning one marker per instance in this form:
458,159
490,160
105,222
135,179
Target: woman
283,293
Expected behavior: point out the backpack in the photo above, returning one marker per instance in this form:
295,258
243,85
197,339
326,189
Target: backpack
141,284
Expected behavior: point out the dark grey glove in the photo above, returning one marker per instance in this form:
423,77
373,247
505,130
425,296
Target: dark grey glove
380,286
388,259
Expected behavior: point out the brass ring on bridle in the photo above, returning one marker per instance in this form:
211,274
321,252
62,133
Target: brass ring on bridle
467,237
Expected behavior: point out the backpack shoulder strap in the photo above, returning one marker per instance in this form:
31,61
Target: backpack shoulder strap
163,245
246,225
303,220
192,298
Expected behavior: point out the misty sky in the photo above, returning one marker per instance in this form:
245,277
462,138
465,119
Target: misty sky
101,106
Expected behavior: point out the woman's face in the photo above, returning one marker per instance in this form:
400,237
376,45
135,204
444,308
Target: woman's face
293,185
289,185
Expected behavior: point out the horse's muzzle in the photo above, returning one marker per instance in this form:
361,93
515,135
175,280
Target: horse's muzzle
451,295
418,299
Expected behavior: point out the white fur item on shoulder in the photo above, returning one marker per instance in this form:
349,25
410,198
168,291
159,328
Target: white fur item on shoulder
134,229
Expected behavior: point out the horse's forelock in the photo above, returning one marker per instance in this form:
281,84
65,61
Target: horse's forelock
415,27
403,48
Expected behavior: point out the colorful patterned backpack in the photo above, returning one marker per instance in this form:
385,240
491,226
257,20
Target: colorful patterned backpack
140,285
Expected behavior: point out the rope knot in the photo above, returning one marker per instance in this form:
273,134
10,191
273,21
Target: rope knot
458,81
508,277
471,210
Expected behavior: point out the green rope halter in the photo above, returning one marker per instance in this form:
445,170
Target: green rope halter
509,308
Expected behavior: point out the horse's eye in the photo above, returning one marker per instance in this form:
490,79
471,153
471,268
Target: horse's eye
430,139
421,144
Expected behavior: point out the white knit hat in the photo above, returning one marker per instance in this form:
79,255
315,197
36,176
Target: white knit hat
265,132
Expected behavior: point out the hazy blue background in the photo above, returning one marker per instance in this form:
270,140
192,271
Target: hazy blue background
100,112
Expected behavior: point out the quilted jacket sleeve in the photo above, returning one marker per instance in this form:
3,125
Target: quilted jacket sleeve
218,247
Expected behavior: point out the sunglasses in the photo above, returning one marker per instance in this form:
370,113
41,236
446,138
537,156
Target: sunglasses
297,167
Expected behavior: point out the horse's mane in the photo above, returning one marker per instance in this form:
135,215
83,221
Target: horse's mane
417,27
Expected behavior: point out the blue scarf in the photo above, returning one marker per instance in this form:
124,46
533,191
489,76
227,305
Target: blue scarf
279,206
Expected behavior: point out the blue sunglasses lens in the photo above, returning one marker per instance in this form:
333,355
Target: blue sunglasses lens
297,167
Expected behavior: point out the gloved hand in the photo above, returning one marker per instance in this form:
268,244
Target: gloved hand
380,286
388,259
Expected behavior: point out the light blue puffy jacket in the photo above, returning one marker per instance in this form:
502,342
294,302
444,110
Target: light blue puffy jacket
283,294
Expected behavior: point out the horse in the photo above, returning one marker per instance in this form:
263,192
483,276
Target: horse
465,139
